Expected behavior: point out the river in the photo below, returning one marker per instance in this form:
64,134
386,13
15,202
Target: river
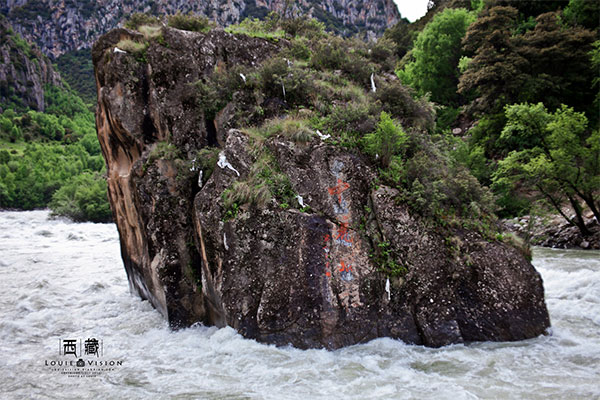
63,281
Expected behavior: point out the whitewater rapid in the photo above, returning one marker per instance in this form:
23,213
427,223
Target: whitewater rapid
63,280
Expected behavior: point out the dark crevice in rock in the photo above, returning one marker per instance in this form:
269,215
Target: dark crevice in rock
211,133
148,129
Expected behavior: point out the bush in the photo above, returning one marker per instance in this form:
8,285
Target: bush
138,19
279,79
150,32
164,151
329,54
206,161
437,188
217,90
242,192
293,129
265,182
396,99
299,49
352,120
190,22
130,46
303,26
254,27
83,199
386,142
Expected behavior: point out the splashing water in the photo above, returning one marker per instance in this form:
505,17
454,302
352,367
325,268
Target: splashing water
65,280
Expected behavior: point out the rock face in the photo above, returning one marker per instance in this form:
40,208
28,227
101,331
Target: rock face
283,273
24,71
61,26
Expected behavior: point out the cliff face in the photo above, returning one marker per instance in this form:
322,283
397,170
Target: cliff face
24,71
307,270
61,26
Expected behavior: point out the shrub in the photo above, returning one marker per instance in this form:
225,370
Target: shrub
150,31
83,199
383,52
217,90
278,79
243,192
254,27
386,142
190,22
131,46
299,49
437,188
293,129
396,99
138,19
303,26
329,54
206,161
353,119
264,182
164,151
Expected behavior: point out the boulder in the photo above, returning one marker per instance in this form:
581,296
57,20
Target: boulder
342,260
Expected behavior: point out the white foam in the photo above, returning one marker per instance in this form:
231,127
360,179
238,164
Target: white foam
78,288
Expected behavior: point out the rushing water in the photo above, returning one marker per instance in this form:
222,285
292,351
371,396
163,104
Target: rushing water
60,280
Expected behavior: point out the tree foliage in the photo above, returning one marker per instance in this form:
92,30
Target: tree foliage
548,63
82,199
386,142
555,154
436,54
495,69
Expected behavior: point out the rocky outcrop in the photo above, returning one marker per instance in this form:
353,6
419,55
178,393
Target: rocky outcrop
24,71
61,26
343,261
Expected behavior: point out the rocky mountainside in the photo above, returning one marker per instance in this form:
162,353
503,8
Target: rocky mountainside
24,71
62,26
289,237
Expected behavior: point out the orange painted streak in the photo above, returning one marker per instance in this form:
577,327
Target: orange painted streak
338,189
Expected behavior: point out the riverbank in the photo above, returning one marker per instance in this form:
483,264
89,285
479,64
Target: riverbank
555,232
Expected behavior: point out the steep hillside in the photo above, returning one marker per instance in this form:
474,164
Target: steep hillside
24,72
49,153
61,26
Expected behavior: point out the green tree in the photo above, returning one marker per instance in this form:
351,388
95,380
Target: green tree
556,155
495,70
558,69
436,53
386,142
584,13
402,37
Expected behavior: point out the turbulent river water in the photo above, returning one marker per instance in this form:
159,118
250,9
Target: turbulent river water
62,281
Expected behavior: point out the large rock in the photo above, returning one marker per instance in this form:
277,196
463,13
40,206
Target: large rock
314,276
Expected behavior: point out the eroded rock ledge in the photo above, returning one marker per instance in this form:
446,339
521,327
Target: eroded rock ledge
286,275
